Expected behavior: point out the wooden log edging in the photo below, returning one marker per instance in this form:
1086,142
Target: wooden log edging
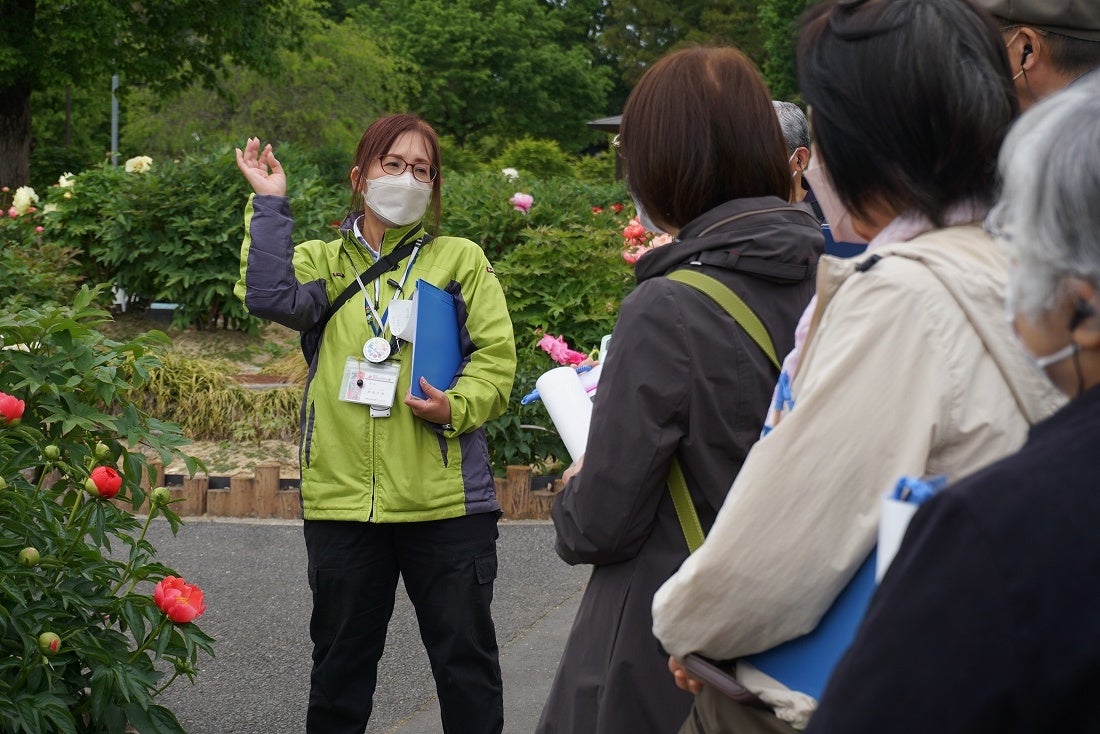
260,495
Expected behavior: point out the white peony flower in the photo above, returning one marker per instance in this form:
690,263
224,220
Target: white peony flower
66,180
139,164
510,173
24,199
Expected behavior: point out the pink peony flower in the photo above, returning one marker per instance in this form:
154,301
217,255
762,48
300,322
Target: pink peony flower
559,351
11,410
13,213
634,232
522,202
180,601
632,253
39,229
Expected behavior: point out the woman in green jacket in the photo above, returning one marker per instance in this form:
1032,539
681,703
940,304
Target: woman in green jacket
392,484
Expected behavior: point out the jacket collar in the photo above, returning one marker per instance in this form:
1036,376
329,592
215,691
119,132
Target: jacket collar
761,227
390,239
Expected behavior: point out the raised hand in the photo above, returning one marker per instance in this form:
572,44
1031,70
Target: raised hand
263,172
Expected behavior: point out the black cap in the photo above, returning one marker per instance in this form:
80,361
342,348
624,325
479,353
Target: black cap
1073,18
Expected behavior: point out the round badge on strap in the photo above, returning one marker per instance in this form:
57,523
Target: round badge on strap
376,349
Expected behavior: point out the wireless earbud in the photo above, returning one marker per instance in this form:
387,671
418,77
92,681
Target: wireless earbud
1081,311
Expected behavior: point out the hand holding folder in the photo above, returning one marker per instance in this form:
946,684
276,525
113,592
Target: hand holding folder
433,327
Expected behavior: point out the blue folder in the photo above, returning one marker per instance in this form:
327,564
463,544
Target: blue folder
805,663
436,354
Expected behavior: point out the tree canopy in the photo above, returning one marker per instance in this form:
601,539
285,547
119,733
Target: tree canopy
492,67
161,43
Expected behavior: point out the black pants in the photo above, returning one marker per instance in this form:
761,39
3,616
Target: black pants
448,567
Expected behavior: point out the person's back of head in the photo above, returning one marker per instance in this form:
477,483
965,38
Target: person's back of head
1063,34
699,130
793,123
1047,215
909,101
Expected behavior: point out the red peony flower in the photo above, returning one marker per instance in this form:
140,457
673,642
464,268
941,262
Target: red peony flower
11,409
597,210
104,482
180,601
617,207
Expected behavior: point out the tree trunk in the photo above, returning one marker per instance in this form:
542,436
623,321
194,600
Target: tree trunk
15,135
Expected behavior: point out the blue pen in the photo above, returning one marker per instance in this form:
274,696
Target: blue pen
534,394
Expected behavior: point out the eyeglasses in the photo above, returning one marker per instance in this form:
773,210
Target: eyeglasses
395,165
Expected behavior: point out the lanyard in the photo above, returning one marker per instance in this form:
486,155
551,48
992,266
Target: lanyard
379,324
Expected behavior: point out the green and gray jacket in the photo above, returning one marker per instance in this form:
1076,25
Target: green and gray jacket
400,468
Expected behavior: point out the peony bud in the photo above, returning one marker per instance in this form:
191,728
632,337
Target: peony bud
49,643
11,409
29,557
51,452
102,451
104,482
160,497
3,483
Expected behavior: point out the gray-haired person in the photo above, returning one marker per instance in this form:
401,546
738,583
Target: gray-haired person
1050,42
988,618
796,135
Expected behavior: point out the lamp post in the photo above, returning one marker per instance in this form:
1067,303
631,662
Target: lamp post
114,120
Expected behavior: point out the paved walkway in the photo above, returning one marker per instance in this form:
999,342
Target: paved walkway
253,575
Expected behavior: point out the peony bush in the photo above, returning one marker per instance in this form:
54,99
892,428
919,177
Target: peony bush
92,626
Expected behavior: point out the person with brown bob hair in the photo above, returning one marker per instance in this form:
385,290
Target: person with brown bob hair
685,384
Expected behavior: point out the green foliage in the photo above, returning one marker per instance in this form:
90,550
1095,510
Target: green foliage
565,282
477,206
321,98
173,233
200,395
492,68
91,584
33,268
538,158
167,46
778,20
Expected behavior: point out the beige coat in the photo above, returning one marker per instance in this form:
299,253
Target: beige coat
910,368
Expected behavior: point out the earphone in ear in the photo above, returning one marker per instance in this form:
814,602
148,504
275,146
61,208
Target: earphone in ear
1081,311
1027,52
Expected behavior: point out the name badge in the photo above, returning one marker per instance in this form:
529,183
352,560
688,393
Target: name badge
370,384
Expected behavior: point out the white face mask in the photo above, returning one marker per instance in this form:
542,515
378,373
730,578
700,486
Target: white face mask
397,200
838,217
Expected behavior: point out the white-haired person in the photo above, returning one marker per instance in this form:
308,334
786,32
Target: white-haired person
988,620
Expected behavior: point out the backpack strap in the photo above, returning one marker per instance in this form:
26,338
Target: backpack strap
733,305
750,322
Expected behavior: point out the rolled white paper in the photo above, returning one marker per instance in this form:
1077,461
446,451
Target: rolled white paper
569,407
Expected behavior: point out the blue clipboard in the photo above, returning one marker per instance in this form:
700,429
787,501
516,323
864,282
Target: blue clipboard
805,663
436,353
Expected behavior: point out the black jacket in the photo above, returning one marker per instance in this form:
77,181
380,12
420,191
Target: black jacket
682,379
988,619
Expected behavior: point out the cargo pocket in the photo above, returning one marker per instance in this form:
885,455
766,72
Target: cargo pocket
486,568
